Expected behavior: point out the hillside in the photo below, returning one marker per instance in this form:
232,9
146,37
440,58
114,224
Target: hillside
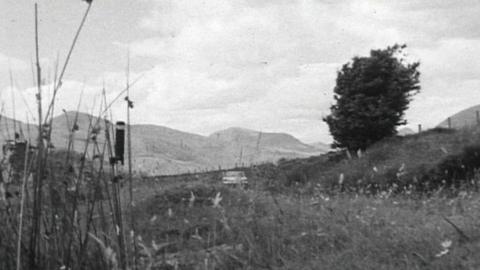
410,158
7,129
162,150
321,145
423,160
249,146
254,229
402,204
405,131
464,118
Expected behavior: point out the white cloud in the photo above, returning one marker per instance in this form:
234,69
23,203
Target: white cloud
68,98
11,63
450,81
271,65
454,58
442,99
246,64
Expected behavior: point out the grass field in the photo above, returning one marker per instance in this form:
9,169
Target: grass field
425,161
251,229
326,212
304,215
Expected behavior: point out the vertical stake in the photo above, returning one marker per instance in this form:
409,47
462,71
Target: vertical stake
449,120
22,205
13,105
37,184
129,149
419,128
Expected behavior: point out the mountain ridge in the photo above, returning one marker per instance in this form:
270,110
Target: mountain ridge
159,149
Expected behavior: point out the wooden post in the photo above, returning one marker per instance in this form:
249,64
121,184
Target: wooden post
478,117
449,120
419,128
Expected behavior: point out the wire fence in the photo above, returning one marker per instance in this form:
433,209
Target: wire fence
456,123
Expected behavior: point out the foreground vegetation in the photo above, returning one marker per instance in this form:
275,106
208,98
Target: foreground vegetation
437,158
405,203
193,225
320,219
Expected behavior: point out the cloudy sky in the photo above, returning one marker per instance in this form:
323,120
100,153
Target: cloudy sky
262,64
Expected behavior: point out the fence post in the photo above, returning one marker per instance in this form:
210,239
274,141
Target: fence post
478,117
419,128
449,120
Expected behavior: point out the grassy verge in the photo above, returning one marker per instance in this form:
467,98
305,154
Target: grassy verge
184,226
425,161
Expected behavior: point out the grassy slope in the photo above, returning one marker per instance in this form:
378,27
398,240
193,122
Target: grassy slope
398,160
257,230
464,118
260,229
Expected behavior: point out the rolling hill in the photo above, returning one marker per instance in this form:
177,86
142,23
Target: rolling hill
321,145
249,146
464,118
405,131
162,150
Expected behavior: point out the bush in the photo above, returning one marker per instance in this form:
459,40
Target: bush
457,170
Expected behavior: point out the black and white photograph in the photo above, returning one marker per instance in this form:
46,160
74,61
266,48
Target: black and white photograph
239,134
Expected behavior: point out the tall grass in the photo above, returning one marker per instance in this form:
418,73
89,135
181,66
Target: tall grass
421,162
257,229
68,213
71,209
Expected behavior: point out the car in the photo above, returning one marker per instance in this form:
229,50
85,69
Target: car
234,178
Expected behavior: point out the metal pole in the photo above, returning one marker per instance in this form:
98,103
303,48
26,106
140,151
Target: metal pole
119,141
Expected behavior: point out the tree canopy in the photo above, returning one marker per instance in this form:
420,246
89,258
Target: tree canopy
371,96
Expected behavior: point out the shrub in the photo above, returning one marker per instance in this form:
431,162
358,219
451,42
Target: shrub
459,169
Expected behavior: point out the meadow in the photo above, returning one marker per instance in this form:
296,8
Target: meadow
407,202
366,210
195,225
369,210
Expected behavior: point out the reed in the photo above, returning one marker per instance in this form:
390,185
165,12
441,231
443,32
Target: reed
69,204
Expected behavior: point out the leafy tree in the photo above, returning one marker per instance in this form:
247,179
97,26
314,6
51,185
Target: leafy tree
372,94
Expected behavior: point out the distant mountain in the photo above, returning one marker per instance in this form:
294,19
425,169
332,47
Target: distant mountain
162,150
465,118
405,131
249,146
325,147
